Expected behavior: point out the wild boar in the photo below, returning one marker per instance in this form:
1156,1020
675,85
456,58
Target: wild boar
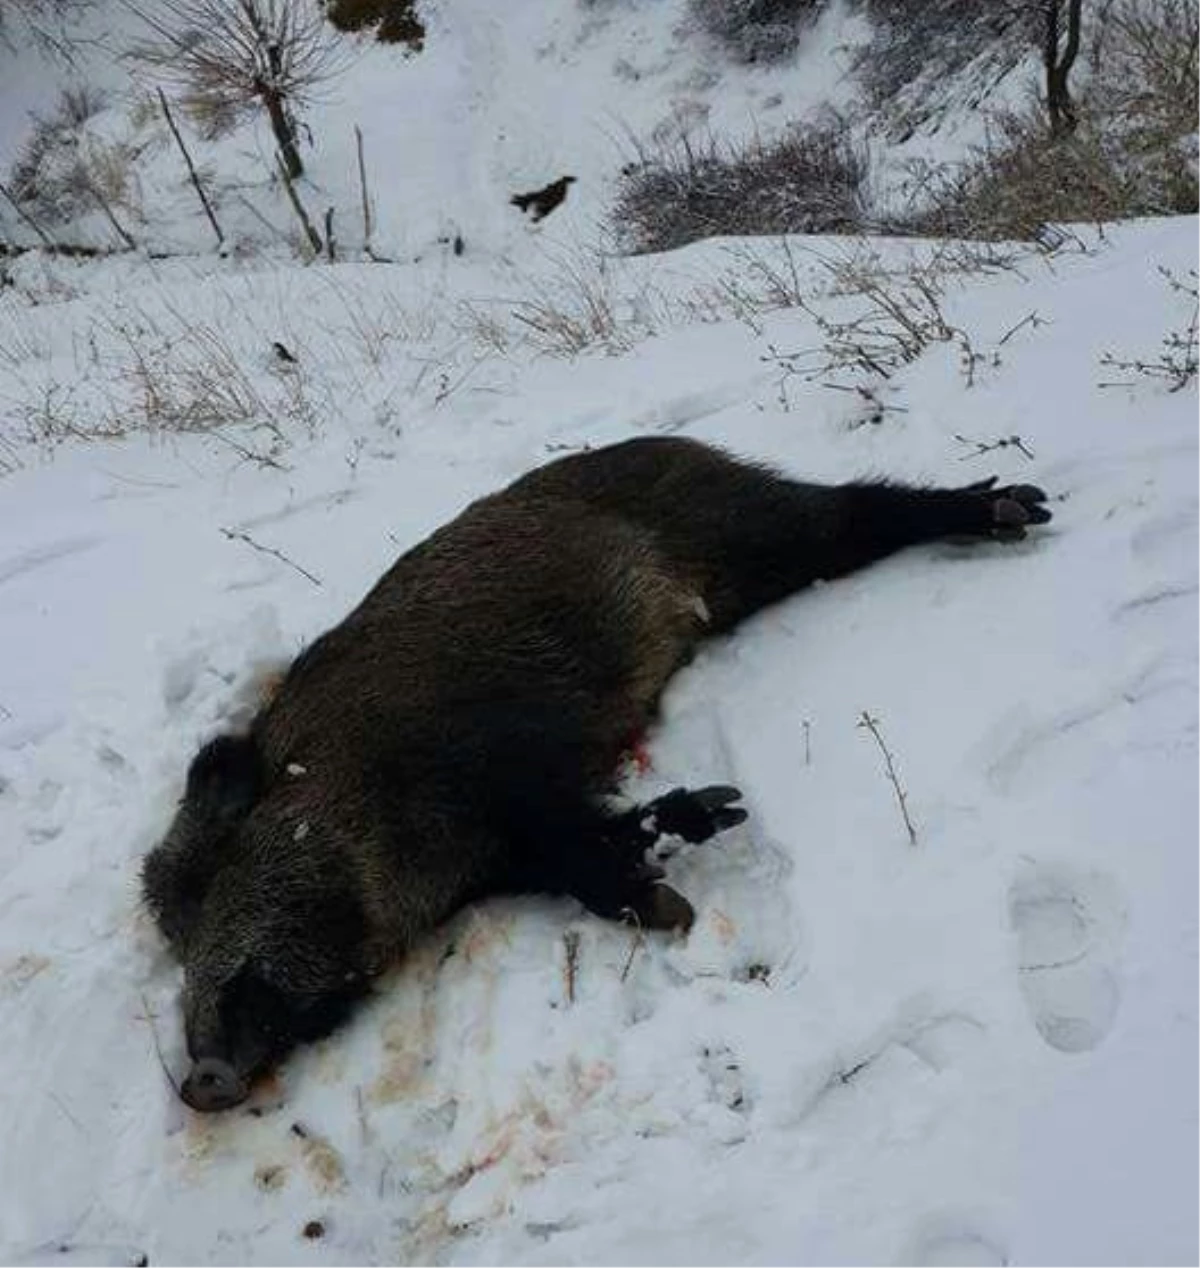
456,734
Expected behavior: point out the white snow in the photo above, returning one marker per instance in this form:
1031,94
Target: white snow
981,1048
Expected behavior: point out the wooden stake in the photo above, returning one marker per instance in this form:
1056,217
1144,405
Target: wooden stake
187,158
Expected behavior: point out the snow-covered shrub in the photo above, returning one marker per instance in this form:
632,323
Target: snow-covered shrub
755,30
919,49
1132,153
1147,72
808,180
1018,181
395,21
61,172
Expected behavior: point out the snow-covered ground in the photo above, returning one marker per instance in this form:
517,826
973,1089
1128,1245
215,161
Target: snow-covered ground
981,1048
977,1049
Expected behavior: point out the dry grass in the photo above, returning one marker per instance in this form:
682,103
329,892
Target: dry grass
160,365
809,180
1177,361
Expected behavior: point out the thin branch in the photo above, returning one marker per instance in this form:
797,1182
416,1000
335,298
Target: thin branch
29,220
571,967
158,1052
187,158
872,724
638,938
237,535
1032,319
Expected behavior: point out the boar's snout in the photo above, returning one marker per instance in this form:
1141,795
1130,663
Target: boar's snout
213,1084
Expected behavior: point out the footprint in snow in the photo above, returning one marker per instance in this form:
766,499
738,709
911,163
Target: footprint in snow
1067,923
959,1246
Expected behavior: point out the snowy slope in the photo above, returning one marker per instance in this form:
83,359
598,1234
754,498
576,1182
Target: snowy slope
502,99
977,1049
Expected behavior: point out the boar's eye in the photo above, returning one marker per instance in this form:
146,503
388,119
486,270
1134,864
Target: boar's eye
266,1015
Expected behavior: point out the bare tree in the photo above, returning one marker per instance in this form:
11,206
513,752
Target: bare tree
1058,56
247,54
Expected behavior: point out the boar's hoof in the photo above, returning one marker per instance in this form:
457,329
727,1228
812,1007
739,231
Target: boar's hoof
213,1085
661,907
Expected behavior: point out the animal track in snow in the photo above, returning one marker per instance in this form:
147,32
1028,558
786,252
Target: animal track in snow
1153,598
952,1244
1162,531
724,1074
1067,923
39,556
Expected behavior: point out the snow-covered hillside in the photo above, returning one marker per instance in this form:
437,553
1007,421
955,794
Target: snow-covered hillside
501,100
980,1047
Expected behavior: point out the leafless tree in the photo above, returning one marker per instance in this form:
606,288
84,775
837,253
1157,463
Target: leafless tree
1059,52
246,54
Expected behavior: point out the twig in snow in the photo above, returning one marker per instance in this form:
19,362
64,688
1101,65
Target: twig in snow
364,1130
1032,319
571,968
1179,361
638,938
187,158
330,243
1005,442
237,535
872,724
158,1052
807,742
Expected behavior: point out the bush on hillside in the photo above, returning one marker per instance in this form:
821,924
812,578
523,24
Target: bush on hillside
55,177
809,180
755,30
1132,153
395,21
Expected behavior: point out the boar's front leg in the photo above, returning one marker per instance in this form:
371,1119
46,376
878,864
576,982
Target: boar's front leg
611,874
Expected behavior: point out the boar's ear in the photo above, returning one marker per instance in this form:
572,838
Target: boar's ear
223,783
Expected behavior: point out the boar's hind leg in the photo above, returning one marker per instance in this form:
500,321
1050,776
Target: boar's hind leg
746,536
764,537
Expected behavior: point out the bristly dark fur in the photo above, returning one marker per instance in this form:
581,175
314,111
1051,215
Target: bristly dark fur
454,735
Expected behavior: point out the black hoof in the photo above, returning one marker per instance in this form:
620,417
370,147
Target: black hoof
695,814
1007,512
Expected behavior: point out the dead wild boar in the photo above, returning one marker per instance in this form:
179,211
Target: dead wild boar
456,734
